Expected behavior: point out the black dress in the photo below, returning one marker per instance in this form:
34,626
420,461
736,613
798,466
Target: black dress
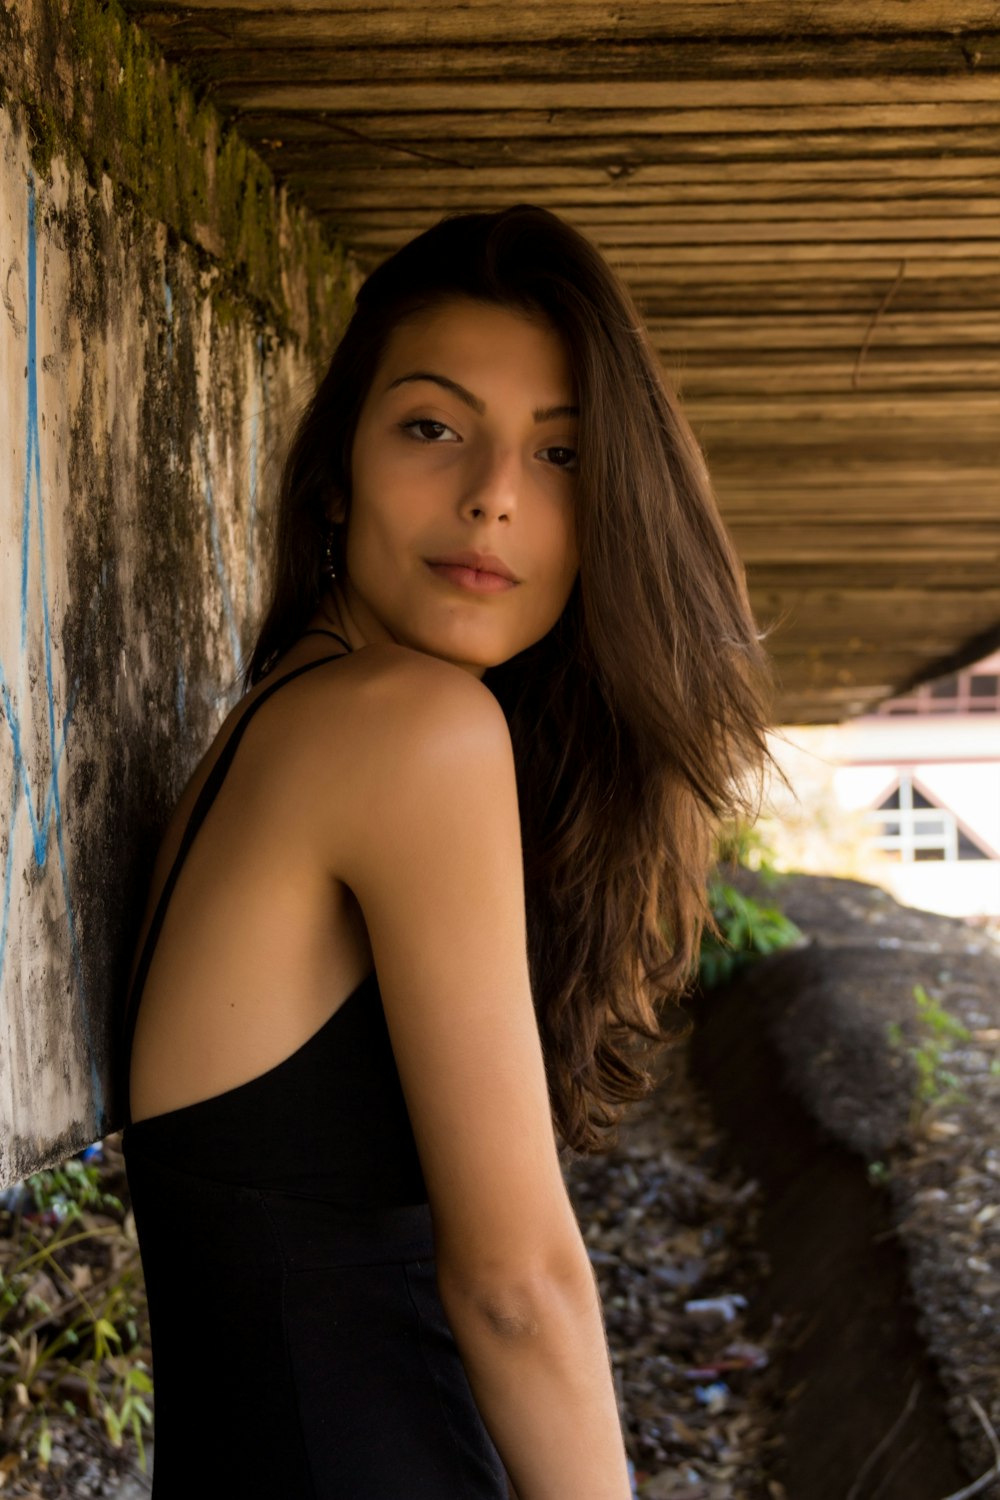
300,1348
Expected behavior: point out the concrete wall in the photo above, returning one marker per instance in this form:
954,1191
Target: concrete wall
165,311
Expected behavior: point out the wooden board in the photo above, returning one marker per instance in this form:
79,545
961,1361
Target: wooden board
804,201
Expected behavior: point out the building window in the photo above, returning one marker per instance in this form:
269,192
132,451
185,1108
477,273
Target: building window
909,827
966,692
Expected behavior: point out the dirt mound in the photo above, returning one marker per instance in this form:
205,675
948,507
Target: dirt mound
884,1029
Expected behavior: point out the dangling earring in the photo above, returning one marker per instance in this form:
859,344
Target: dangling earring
328,565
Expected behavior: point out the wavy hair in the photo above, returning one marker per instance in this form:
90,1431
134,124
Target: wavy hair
639,720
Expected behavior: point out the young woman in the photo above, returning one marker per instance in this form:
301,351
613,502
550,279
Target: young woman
422,944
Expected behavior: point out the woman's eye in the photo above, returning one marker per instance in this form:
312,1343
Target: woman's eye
422,422
567,460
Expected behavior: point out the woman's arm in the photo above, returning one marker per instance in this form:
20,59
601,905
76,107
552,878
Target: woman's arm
541,1377
429,841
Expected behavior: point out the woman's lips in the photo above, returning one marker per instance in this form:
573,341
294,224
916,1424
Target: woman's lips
472,579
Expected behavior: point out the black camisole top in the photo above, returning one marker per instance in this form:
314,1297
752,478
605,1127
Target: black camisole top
300,1350
297,1125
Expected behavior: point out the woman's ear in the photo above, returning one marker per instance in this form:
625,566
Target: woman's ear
336,508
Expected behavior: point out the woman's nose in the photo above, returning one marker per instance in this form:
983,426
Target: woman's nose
492,489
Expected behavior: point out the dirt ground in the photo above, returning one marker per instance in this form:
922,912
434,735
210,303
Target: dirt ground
831,1010
672,1237
856,1243
686,1235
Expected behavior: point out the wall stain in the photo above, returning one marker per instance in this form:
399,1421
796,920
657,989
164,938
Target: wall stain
50,816
109,95
152,403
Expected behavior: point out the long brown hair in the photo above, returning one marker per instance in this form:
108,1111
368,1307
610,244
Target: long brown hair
639,721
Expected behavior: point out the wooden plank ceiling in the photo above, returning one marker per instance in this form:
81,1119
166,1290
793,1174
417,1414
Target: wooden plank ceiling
804,200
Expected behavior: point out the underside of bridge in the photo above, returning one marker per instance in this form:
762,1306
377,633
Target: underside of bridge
804,201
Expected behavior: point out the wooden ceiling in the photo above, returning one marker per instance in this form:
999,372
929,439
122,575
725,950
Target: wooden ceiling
805,200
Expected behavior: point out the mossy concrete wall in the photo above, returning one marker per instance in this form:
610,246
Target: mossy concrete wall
165,313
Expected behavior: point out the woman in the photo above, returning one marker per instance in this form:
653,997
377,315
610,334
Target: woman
443,892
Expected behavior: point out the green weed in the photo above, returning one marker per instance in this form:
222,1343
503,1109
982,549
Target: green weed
935,1085
748,928
71,1300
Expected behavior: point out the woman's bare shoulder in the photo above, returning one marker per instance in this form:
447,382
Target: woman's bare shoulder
387,723
390,662
386,688
424,829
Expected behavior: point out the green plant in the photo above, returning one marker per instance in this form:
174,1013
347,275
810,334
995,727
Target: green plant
70,1187
934,1083
748,930
72,1298
128,1409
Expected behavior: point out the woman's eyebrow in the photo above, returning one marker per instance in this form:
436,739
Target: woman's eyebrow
542,414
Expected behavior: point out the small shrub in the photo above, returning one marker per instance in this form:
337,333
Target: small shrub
72,1298
749,929
934,1083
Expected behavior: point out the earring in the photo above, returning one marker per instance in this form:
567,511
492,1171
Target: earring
328,565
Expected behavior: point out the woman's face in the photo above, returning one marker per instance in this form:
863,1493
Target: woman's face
465,442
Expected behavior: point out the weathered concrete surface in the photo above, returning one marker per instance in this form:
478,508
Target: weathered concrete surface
156,341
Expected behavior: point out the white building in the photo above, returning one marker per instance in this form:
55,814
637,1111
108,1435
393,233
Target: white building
922,775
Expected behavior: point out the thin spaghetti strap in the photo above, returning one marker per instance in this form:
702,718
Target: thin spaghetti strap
318,630
204,800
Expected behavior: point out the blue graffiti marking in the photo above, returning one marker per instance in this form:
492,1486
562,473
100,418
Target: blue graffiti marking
181,691
168,299
49,816
51,810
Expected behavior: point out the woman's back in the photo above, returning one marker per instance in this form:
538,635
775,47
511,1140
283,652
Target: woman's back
257,946
282,1218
